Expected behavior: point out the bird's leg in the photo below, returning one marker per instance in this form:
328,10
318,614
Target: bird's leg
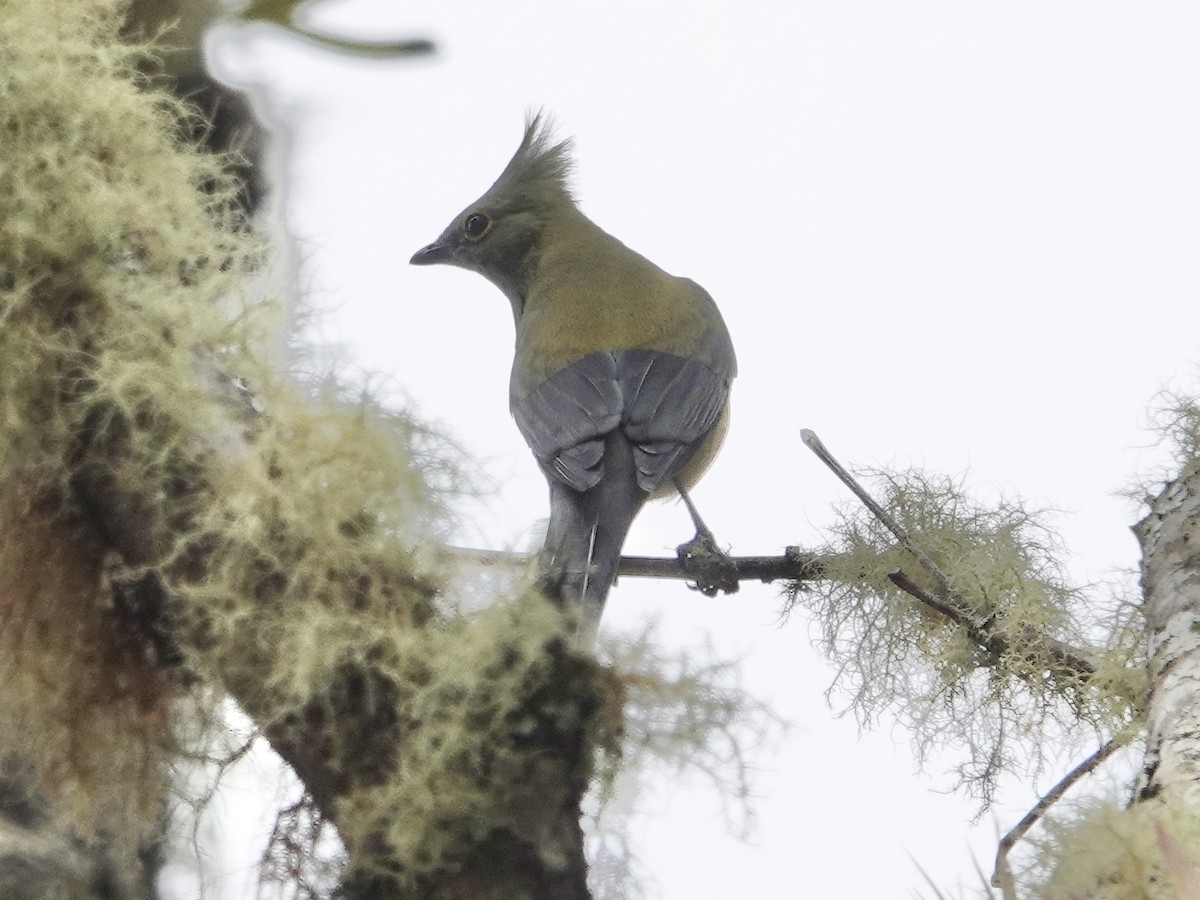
703,533
712,568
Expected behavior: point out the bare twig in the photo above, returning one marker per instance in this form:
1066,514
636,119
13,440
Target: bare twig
1003,874
889,521
794,564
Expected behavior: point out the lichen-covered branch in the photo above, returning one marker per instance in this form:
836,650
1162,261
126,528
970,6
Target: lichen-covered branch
164,541
976,638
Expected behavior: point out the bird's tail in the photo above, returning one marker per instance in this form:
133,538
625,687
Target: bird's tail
586,533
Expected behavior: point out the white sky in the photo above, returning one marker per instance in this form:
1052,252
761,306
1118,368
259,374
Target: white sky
954,235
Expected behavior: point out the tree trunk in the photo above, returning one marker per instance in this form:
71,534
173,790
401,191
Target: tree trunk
1170,538
40,858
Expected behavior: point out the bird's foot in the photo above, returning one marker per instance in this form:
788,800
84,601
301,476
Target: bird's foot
711,569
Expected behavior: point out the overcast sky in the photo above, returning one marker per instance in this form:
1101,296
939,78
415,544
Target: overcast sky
960,236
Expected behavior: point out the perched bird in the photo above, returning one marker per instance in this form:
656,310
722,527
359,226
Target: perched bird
620,381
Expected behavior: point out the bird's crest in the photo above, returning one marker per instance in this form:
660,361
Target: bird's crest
539,171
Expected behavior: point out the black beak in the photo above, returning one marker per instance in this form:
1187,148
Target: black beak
431,254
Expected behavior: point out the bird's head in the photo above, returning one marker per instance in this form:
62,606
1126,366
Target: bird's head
500,235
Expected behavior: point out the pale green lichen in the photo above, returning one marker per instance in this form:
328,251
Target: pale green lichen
114,267
480,688
1177,419
943,677
1105,852
296,518
688,722
1175,422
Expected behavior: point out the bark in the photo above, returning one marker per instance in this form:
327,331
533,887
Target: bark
351,737
1170,539
39,858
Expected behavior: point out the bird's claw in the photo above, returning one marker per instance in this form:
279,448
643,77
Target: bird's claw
712,570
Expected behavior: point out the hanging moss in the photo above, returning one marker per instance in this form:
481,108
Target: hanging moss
289,522
993,691
1143,852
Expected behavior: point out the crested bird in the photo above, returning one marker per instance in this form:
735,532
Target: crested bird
621,376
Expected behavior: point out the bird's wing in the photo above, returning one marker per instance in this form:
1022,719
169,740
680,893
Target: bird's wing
662,402
671,402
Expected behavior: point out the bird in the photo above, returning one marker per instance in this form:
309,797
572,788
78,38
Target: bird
621,373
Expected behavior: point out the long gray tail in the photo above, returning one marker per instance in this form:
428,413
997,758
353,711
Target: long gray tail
586,533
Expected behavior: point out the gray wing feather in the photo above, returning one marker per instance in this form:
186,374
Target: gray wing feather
672,402
663,403
565,419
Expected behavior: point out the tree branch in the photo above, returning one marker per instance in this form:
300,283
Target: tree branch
793,565
348,739
1002,877
819,450
949,603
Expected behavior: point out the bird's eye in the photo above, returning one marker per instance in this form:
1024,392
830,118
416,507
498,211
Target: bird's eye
476,225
